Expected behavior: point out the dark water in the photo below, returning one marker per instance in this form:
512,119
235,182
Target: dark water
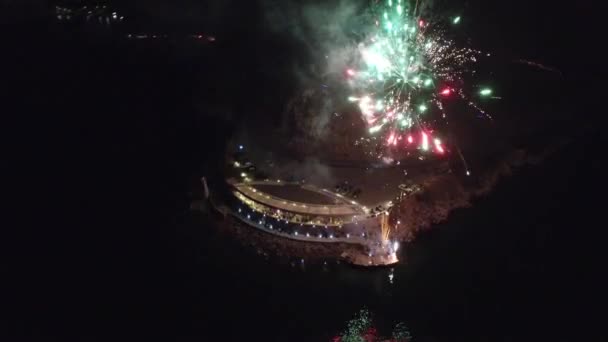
523,263
111,138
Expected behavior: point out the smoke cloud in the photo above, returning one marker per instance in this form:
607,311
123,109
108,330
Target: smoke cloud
326,34
327,31
311,170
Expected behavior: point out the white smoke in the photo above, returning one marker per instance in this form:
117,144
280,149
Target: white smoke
310,170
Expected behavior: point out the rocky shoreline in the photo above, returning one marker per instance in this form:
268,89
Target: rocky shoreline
276,246
440,195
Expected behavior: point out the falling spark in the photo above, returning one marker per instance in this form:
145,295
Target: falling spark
425,141
438,146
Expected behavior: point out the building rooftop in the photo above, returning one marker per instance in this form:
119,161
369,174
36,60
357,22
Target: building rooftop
343,207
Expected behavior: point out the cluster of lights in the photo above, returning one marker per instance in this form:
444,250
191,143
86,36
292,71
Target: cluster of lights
252,204
207,38
295,233
99,12
146,36
198,37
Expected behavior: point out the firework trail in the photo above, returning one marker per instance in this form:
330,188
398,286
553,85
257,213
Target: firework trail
385,227
407,70
539,66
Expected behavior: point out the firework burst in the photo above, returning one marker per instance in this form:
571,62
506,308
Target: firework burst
406,71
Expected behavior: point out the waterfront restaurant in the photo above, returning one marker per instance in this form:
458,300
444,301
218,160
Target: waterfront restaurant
334,215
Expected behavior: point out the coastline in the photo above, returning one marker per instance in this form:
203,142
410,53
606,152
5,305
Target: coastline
269,244
440,195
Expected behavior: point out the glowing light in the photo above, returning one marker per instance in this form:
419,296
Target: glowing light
376,60
350,72
485,92
425,141
456,20
446,92
366,106
375,129
438,146
395,246
240,147
422,108
410,139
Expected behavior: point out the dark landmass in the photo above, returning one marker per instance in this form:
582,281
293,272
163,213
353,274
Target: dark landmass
442,194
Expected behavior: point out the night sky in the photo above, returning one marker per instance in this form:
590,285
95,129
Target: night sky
106,139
